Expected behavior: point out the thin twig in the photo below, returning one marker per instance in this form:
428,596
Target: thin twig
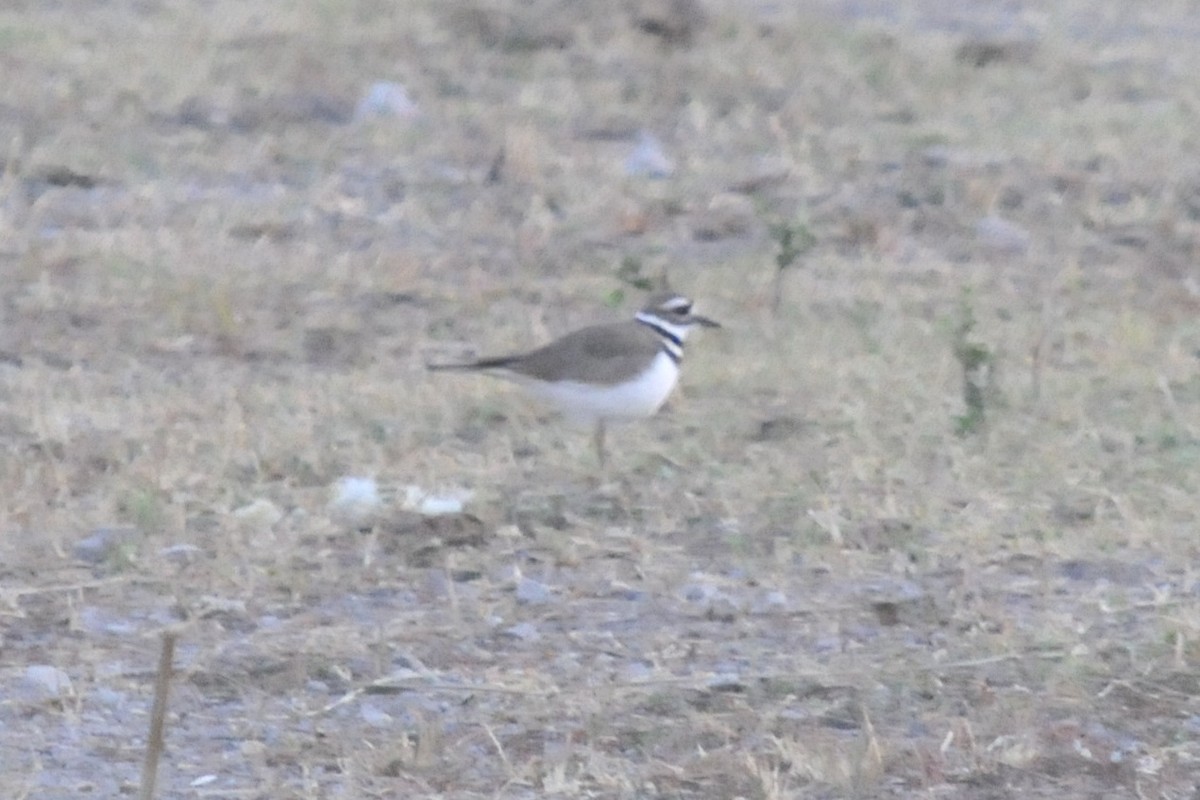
499,749
23,591
154,742
422,684
1048,655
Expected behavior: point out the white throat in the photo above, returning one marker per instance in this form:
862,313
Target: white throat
680,332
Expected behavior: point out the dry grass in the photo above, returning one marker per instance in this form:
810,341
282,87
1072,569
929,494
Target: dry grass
217,293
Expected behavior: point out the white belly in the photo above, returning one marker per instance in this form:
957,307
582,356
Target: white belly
588,403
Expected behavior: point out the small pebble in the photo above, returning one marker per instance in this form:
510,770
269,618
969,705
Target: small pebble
270,622
726,681
649,159
773,601
102,543
386,99
699,592
98,621
434,504
829,644
355,500
181,553
261,513
533,593
723,608
374,716
636,671
47,681
1000,235
525,631
109,698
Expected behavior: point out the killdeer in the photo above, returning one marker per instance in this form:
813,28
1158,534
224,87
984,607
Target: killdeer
619,371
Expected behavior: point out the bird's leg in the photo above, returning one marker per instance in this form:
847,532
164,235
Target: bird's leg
598,438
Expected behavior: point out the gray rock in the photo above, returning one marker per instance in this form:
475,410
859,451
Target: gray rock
181,553
699,592
1001,236
525,631
103,543
386,99
102,622
771,602
649,159
375,716
533,593
47,682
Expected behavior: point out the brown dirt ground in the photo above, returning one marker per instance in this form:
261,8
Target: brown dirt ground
921,520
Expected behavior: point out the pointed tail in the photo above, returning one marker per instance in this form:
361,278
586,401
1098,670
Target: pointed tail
501,362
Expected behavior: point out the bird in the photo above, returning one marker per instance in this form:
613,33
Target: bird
604,373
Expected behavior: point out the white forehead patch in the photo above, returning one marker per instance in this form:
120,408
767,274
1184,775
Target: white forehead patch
677,304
